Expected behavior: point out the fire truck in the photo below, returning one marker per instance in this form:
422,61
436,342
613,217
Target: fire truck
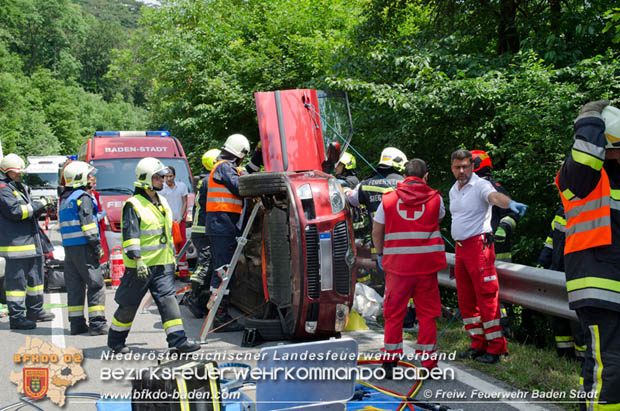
296,275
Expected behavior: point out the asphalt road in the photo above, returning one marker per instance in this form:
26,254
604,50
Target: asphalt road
468,390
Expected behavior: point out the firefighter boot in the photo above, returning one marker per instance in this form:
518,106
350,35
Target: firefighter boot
41,316
22,324
223,322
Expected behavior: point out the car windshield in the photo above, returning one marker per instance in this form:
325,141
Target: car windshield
116,176
335,119
38,180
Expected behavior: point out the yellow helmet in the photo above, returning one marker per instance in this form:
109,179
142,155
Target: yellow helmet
76,174
348,161
209,158
611,117
12,162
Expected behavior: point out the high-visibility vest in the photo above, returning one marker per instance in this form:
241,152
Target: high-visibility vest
71,229
219,198
412,243
155,242
588,220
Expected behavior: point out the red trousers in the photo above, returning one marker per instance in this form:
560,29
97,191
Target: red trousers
424,290
183,267
478,293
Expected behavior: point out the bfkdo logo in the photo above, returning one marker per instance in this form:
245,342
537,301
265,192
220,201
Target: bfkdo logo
36,382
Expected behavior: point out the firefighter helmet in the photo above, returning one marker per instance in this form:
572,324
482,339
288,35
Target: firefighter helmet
76,174
348,161
237,145
209,158
611,117
146,169
481,160
393,157
12,162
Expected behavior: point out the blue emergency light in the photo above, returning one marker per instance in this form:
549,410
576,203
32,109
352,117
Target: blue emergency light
159,133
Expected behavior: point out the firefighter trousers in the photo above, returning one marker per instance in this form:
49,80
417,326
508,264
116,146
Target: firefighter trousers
478,294
600,369
424,289
24,286
222,250
129,295
204,263
83,278
569,339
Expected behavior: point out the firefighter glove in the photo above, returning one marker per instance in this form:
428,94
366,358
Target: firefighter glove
592,109
46,202
380,260
142,269
500,235
100,252
518,208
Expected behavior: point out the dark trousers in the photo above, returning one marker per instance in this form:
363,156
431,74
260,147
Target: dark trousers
222,250
83,278
24,286
129,295
601,366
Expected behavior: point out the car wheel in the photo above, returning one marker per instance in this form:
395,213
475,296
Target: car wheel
258,184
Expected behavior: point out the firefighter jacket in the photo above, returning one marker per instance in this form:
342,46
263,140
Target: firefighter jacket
412,242
589,187
146,230
200,207
19,231
224,204
552,254
78,219
371,190
348,180
503,220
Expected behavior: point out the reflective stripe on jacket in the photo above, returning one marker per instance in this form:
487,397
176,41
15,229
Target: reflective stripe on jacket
71,229
19,237
588,220
155,242
220,198
412,242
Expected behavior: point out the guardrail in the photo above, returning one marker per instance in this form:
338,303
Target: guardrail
536,288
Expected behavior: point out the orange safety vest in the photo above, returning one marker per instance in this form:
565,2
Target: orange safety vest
412,243
219,198
588,220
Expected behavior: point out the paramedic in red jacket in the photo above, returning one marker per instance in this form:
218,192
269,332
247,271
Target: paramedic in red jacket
410,249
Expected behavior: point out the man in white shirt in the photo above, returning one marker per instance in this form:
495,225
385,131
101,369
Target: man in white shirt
176,193
471,200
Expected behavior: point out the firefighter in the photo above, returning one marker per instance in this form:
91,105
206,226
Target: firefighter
224,210
370,191
471,199
345,171
503,223
569,341
411,251
589,185
22,246
80,237
197,300
148,255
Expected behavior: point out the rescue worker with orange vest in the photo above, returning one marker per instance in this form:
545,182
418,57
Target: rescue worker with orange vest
224,215
589,185
370,192
471,199
503,223
23,246
200,280
148,256
411,251
79,230
569,342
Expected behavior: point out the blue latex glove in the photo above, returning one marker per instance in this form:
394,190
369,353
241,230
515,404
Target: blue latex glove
518,208
380,260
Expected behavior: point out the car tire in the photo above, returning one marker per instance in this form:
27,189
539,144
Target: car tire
258,184
270,330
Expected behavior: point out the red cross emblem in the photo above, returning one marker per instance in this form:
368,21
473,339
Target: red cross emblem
409,213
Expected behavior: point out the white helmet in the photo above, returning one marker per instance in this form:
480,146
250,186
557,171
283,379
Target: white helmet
145,170
611,117
237,145
393,157
76,174
12,162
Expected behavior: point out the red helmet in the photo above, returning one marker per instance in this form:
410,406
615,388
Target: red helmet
481,160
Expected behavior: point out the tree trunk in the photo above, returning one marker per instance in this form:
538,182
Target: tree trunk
507,35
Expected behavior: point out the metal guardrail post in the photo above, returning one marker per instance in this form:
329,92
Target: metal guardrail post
536,288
